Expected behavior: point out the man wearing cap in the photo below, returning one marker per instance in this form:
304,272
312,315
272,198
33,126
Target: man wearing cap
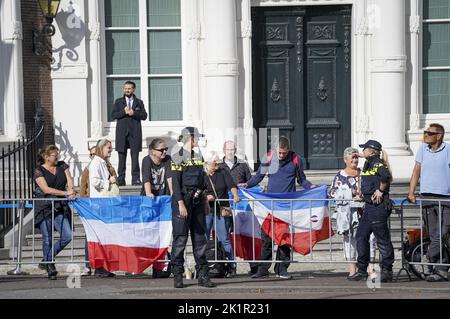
433,168
188,208
129,111
375,180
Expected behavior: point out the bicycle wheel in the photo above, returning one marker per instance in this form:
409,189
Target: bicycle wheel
417,253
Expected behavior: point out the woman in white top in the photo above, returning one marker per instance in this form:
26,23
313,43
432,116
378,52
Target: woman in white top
101,172
101,176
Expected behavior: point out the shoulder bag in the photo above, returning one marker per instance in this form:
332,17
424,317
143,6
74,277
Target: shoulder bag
224,211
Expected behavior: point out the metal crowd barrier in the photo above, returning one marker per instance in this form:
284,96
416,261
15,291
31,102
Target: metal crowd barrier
415,248
331,203
18,208
20,205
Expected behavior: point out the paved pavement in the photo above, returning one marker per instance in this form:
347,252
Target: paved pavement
318,284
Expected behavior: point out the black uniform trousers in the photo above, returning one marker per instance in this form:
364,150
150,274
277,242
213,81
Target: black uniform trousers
283,253
135,170
196,224
374,220
439,233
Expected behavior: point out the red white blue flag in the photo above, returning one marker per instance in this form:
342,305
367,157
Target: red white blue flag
126,233
297,224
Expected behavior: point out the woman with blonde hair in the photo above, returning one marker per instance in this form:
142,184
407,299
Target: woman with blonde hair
102,175
102,181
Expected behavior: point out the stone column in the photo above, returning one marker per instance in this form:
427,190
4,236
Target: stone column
94,62
71,103
220,69
246,34
414,29
388,68
13,95
360,111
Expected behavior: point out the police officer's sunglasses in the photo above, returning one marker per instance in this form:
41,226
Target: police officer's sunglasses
431,133
165,149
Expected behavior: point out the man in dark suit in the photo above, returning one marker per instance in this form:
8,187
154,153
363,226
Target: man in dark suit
129,111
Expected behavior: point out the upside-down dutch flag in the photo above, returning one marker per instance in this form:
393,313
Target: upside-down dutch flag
126,233
297,224
247,231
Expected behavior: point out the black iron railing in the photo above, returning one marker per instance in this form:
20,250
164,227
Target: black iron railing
17,165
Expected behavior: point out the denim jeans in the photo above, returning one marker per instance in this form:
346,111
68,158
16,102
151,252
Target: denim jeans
221,233
62,225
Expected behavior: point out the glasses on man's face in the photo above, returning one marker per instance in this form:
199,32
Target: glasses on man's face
355,156
165,149
429,133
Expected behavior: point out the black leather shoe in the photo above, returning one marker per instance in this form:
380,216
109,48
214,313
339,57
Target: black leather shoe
231,273
42,266
204,281
51,271
137,183
386,275
358,276
121,183
103,273
178,281
260,274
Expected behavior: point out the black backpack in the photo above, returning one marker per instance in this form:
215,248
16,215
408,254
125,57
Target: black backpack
165,273
219,269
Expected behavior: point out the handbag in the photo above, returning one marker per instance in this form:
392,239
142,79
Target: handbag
112,191
224,211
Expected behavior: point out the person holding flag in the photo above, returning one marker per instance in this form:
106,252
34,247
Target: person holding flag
284,168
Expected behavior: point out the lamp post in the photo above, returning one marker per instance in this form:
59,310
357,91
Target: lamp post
41,38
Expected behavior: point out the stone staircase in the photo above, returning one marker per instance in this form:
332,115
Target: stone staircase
33,244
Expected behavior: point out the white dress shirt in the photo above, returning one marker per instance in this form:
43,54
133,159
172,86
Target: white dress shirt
98,176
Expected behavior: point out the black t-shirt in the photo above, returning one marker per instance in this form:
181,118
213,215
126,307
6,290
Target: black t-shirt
57,181
223,182
157,175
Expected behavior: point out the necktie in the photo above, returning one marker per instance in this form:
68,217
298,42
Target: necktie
129,104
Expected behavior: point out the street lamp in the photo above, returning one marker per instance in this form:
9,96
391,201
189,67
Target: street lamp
41,38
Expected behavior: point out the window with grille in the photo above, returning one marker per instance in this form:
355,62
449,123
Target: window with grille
143,44
436,56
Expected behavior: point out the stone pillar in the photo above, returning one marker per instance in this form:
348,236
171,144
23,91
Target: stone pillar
388,68
414,29
220,69
95,65
360,111
13,94
246,34
191,57
70,84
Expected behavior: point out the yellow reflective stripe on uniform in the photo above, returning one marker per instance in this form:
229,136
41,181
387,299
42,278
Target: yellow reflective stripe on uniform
370,172
193,163
174,167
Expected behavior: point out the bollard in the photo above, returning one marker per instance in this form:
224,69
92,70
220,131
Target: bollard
18,270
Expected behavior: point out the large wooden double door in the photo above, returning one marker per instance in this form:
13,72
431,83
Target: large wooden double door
301,79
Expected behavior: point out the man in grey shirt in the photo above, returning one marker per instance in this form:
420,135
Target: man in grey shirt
433,168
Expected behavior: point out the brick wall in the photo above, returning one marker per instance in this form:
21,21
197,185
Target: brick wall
37,83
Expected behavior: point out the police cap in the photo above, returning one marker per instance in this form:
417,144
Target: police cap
371,144
192,131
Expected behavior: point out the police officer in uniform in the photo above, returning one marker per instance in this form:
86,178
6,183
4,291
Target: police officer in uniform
375,180
188,208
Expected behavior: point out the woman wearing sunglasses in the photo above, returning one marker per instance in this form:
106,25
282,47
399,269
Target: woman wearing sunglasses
156,169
